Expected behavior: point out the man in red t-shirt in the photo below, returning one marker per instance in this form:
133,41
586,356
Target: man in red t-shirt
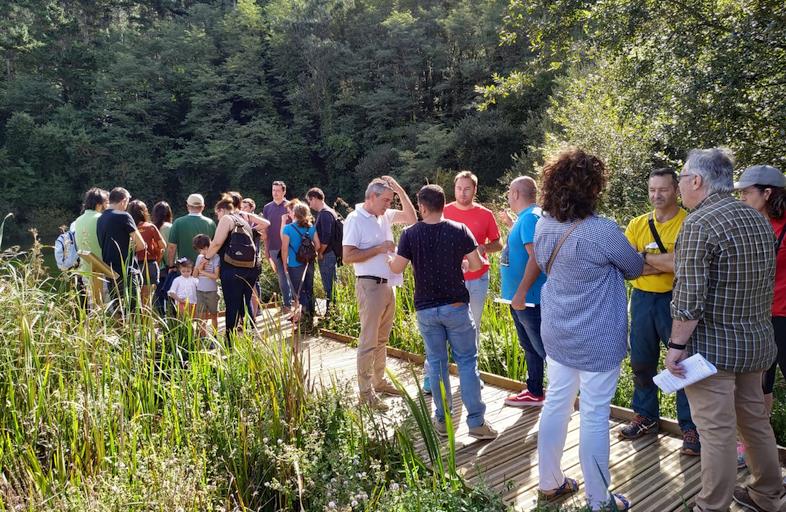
483,226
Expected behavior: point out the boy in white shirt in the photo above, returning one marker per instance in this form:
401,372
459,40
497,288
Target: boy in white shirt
184,288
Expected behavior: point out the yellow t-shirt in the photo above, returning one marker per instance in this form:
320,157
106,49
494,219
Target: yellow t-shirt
640,237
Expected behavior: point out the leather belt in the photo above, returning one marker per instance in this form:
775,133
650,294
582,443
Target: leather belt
378,280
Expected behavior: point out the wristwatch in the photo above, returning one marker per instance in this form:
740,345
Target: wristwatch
644,256
675,346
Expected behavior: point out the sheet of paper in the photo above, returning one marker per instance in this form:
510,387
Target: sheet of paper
696,369
500,300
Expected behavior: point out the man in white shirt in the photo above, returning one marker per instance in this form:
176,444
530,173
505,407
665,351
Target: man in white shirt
368,239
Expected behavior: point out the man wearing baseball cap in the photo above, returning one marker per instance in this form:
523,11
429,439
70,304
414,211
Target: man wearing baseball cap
185,228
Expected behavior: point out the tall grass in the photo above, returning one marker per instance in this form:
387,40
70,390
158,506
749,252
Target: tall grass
98,414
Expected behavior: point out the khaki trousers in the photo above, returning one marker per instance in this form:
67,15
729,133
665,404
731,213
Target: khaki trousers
720,405
377,306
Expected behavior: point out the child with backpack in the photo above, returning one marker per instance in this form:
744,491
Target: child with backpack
206,271
299,246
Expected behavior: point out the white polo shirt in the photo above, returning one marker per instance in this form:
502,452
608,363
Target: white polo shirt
364,230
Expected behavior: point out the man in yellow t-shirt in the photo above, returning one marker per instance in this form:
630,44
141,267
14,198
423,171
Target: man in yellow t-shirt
654,234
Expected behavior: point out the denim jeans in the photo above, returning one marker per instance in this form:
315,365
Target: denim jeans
478,290
283,284
327,270
527,322
237,285
306,296
650,325
443,325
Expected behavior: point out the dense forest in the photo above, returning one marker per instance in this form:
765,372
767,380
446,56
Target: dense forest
166,97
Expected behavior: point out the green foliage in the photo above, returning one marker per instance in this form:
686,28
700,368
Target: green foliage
664,76
142,416
168,98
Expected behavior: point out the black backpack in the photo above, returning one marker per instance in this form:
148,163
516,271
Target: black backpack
336,243
241,251
306,253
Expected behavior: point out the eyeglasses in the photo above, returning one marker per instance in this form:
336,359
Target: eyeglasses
683,175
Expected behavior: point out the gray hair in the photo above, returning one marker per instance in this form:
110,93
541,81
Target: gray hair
377,187
715,166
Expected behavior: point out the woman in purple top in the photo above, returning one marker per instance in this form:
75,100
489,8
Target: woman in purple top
584,321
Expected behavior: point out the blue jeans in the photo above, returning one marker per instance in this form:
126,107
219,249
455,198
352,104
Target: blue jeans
237,285
443,325
478,290
327,270
527,322
306,296
283,284
650,325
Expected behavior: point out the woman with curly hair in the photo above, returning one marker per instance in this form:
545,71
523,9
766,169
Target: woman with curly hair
584,322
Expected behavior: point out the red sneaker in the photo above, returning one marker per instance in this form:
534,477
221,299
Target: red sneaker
525,399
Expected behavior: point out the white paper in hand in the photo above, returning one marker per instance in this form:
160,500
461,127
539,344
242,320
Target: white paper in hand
500,300
696,369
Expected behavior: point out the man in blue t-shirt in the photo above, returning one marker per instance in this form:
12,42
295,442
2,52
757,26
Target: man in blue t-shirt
437,247
521,284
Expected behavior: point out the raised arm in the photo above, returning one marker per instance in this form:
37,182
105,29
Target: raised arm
407,215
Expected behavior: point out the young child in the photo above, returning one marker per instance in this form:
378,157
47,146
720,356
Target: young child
207,289
184,288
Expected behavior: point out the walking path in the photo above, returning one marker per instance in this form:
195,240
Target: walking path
649,471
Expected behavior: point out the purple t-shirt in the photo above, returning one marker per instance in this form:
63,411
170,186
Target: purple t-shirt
273,213
436,252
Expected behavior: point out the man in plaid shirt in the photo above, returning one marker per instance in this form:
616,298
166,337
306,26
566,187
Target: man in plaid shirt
723,282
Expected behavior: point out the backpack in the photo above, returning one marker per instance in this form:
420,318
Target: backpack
66,254
306,253
337,240
241,251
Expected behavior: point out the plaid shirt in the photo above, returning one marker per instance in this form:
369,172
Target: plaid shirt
723,277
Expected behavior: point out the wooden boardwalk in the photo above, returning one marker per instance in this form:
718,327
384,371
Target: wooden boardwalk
649,471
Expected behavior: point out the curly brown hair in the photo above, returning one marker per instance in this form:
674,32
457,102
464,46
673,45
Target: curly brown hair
571,183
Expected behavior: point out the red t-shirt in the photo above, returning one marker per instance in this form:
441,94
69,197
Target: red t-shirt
154,249
779,297
483,226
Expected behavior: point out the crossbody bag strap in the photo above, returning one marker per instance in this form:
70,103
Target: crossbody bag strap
655,235
559,244
780,239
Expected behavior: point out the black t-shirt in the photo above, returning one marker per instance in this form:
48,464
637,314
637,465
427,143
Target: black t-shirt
436,251
326,218
114,228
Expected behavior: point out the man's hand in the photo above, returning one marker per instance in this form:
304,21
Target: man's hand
672,362
392,183
386,247
519,301
505,218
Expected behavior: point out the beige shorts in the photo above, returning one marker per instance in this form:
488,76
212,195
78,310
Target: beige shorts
207,302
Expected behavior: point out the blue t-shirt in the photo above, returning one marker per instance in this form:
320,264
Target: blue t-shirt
515,257
295,233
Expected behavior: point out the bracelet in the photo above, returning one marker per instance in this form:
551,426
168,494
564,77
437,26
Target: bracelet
675,346
644,256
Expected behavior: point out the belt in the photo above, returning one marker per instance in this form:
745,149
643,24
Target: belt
379,280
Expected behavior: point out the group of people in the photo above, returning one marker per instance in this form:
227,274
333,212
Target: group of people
711,282
185,259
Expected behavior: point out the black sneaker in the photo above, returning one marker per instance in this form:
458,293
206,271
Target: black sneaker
744,499
690,442
640,426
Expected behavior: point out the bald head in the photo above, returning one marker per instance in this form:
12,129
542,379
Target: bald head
522,192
